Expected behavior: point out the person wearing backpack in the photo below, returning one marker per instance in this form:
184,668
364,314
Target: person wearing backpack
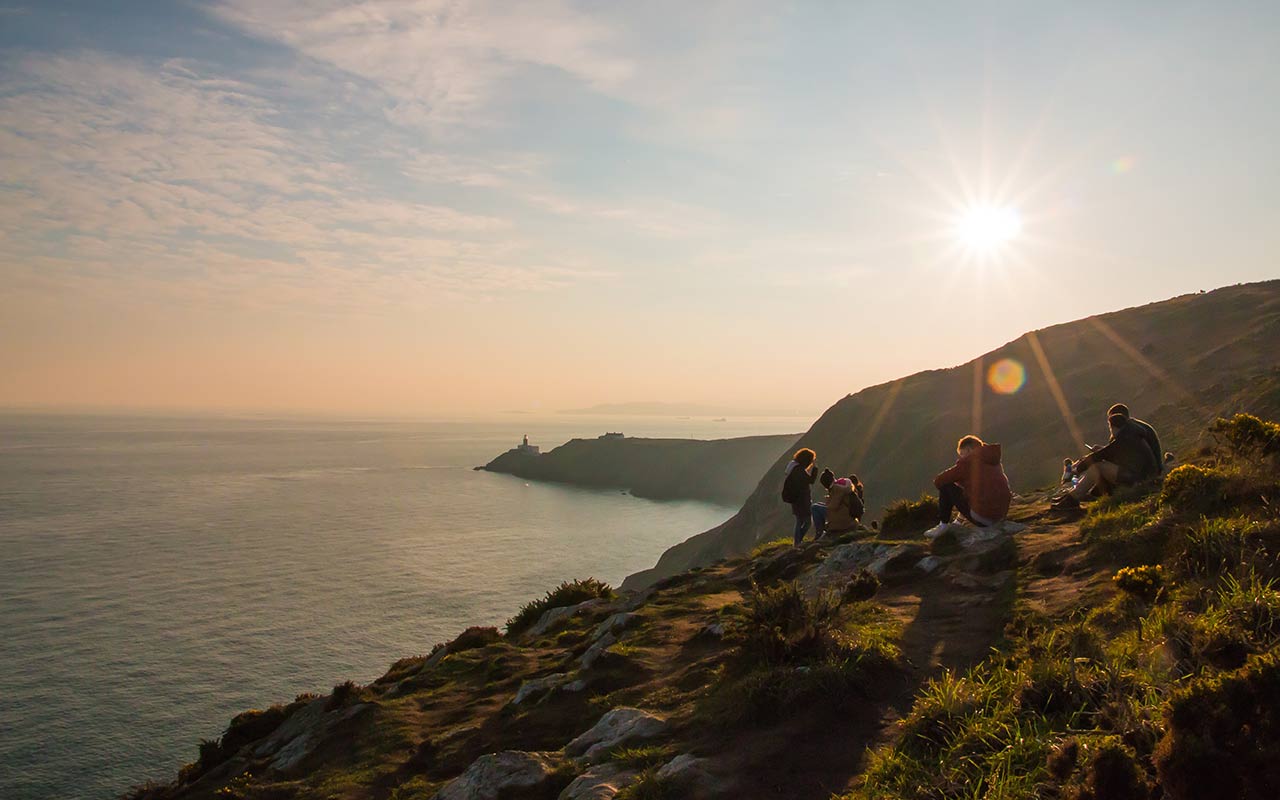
797,489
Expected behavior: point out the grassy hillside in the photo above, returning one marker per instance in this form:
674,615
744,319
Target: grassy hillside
1176,363
719,471
1126,652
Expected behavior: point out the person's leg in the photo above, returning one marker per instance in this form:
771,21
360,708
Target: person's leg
819,513
802,525
1100,473
950,499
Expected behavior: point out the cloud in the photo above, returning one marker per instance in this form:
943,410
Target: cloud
440,61
175,173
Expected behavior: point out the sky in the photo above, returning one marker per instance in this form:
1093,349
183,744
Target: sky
430,207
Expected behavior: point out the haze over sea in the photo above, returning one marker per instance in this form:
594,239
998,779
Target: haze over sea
162,574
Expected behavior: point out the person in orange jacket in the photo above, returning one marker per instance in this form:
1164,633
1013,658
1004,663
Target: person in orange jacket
976,486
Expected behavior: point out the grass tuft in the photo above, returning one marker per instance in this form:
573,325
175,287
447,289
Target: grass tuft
569,593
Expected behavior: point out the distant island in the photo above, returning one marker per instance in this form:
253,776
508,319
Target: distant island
656,408
719,471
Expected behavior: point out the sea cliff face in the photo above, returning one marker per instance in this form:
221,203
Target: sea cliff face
1176,363
721,471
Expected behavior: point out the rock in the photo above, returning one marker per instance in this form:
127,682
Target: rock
615,624
310,734
553,615
895,558
574,686
298,724
928,564
491,776
786,564
621,726
539,687
599,783
842,562
988,556
435,658
690,776
595,650
714,630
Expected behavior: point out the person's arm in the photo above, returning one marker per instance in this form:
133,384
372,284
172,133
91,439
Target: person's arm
855,506
813,476
951,475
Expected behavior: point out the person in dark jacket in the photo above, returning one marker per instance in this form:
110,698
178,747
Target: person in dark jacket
975,485
797,489
819,510
1125,460
1148,433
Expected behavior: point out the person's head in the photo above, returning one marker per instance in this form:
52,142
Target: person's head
1118,408
827,478
1066,462
1117,420
967,445
805,457
854,480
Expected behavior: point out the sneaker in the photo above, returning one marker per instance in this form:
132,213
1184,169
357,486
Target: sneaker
936,530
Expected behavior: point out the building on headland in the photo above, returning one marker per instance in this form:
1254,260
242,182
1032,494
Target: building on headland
526,448
612,435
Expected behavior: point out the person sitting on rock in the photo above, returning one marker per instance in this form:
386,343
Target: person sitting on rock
797,489
819,510
1126,459
844,505
976,486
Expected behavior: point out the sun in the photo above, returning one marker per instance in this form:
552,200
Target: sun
985,230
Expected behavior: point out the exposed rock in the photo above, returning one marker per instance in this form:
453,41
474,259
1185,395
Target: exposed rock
540,687
786,564
302,732
595,650
599,783
842,562
988,556
896,558
928,564
554,615
574,686
489,776
690,776
714,630
621,726
615,624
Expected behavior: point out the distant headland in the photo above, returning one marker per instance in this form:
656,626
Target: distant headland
719,471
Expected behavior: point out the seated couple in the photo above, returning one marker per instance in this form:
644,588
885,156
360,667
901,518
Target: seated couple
1132,455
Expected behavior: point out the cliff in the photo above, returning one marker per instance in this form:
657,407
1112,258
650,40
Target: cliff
719,471
1176,363
1128,651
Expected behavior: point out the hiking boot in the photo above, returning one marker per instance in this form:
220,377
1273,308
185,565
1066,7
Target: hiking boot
936,530
1066,502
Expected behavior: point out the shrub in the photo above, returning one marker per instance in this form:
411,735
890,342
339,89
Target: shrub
343,694
1193,489
862,586
249,726
1248,435
474,637
781,625
1223,735
569,593
910,515
1112,772
1253,605
1145,583
649,787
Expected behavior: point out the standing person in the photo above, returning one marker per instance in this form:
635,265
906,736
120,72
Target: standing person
976,486
819,510
1125,460
797,489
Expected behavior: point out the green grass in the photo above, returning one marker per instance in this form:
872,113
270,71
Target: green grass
569,593
642,757
910,516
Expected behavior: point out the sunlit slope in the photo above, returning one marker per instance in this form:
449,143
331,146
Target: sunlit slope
1176,363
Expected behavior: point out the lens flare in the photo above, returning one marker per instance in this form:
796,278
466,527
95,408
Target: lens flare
984,230
1006,376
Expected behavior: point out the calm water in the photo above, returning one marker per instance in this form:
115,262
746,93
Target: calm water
159,575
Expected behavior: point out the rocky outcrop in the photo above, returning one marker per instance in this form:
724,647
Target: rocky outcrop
617,728
490,776
601,782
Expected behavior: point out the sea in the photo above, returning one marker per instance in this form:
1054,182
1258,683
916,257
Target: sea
159,575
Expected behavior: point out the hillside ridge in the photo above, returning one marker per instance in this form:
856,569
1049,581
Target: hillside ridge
1177,363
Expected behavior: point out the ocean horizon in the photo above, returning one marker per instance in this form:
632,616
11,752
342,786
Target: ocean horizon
163,573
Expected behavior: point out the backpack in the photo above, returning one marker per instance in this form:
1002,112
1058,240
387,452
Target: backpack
790,492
